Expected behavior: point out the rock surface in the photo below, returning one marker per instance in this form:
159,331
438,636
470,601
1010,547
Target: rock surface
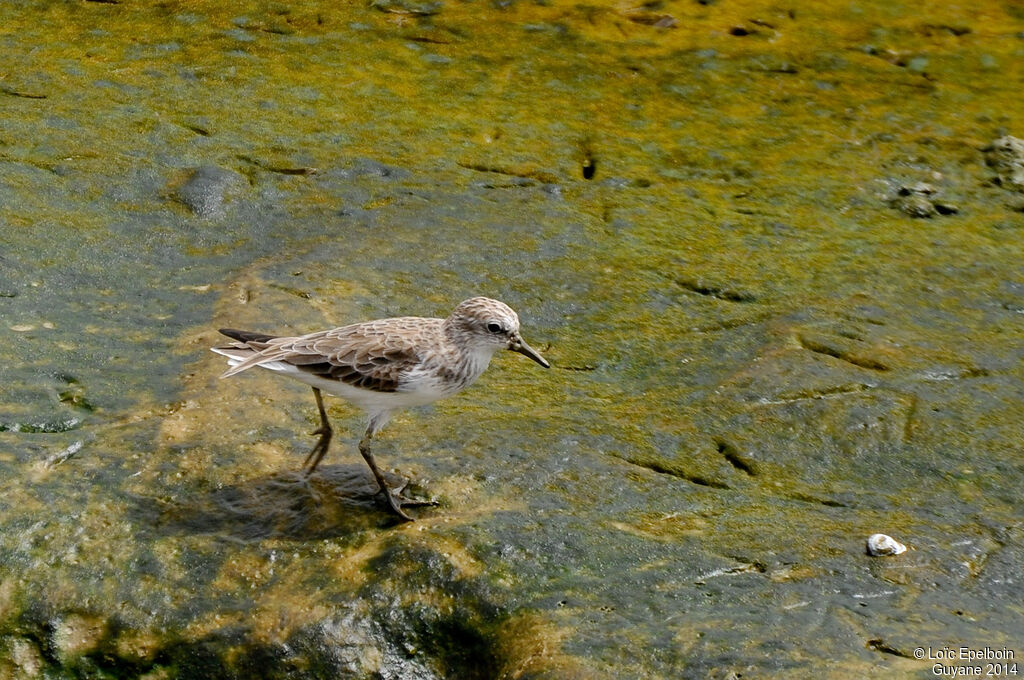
757,362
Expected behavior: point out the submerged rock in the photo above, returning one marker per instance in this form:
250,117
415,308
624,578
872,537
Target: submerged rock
919,200
207,190
1006,156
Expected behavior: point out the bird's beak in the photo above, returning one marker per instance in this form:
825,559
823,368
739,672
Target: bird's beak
519,345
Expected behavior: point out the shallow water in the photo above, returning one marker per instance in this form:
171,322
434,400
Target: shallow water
702,214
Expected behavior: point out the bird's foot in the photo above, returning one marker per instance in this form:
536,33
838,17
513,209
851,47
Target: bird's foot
396,501
318,452
407,502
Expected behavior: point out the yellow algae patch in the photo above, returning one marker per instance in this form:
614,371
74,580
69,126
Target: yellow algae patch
665,527
793,572
282,611
464,500
77,634
530,646
244,571
454,552
135,646
351,568
7,593
19,658
208,622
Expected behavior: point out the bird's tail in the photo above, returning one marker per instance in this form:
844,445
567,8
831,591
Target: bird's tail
246,352
246,336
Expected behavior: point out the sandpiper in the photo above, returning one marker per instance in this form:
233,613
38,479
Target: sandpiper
384,366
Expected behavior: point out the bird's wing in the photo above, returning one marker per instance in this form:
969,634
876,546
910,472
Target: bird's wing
370,355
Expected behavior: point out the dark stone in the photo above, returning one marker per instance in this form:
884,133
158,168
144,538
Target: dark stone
207,189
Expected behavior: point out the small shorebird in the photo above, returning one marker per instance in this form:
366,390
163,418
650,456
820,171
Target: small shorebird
384,366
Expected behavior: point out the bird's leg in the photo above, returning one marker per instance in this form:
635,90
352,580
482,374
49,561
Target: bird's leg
364,448
394,499
322,444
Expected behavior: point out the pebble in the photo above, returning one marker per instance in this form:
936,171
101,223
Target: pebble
880,544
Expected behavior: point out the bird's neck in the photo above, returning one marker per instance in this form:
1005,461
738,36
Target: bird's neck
476,361
472,360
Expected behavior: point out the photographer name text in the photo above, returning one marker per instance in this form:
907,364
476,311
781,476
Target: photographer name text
996,661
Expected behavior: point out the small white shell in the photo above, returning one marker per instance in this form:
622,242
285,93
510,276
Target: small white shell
880,544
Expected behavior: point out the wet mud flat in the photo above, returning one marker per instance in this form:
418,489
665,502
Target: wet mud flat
772,253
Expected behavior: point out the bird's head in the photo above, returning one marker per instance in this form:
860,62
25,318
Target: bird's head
485,324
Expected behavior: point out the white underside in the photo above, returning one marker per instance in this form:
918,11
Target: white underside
374,403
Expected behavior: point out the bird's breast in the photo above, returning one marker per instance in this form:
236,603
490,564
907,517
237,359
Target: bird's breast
445,375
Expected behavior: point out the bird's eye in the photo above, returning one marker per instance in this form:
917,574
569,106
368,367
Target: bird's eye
493,327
